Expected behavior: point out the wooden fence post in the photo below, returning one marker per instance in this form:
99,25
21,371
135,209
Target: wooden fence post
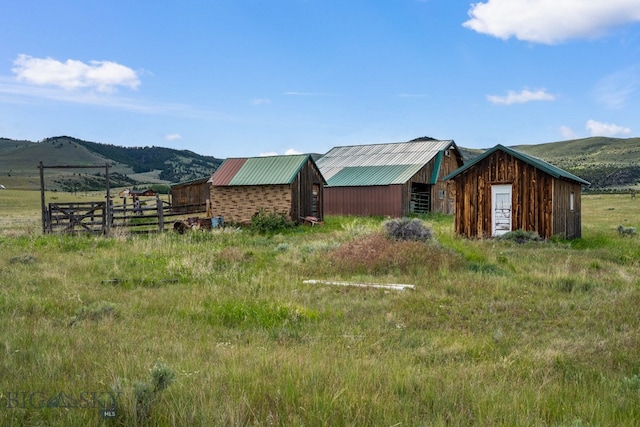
160,214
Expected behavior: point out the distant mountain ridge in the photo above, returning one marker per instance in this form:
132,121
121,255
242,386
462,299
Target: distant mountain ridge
130,166
607,163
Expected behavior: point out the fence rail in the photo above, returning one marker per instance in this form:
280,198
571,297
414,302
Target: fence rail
101,218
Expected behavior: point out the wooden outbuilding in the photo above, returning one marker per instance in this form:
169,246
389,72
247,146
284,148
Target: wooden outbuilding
504,190
190,196
396,179
291,185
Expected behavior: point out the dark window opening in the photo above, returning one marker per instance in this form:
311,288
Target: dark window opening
420,198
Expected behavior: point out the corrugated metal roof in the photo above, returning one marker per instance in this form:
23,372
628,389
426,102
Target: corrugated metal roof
533,161
412,153
259,170
353,176
227,170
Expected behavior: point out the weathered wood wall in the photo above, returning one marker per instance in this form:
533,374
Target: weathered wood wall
539,201
190,197
567,222
444,204
308,181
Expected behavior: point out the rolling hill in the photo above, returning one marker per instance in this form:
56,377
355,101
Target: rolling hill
130,167
608,163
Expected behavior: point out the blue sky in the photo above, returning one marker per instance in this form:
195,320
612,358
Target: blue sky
239,78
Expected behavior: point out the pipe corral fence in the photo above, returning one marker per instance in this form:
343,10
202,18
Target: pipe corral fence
102,217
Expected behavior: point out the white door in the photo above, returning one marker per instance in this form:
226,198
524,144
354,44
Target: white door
501,209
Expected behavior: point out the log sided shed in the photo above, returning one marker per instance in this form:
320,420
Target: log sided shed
505,190
292,185
395,179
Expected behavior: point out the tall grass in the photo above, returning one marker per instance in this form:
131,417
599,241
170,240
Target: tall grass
495,332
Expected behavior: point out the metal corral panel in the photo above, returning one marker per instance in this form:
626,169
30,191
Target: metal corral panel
225,173
383,200
418,152
373,175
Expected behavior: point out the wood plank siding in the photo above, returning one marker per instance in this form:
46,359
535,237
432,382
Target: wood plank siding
540,202
567,219
307,193
190,196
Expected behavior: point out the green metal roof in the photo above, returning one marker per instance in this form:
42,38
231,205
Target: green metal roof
269,170
373,175
533,161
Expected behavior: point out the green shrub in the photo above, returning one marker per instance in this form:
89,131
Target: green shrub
268,222
408,229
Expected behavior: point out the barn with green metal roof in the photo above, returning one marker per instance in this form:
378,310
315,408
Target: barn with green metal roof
505,190
289,185
395,179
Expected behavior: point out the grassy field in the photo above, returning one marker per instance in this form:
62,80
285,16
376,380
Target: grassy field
218,328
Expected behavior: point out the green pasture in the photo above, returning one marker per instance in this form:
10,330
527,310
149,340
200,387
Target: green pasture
218,327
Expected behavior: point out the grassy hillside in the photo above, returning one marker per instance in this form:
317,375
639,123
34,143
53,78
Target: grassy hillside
495,332
608,163
139,166
605,162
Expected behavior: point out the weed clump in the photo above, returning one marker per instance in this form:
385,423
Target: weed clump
408,229
269,222
24,259
96,311
521,236
377,254
148,392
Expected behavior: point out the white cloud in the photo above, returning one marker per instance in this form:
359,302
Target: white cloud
268,153
606,129
12,92
104,76
567,132
173,137
292,151
521,97
550,21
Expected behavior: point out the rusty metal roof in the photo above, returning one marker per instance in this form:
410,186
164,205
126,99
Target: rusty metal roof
405,157
259,170
227,170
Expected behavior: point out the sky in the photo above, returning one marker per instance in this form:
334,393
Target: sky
244,78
